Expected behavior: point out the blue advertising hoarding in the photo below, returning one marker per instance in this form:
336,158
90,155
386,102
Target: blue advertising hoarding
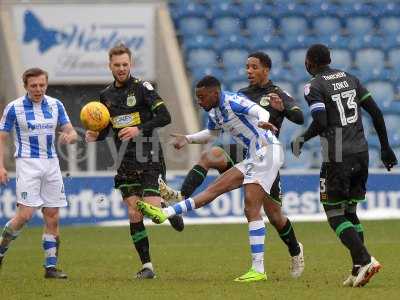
93,200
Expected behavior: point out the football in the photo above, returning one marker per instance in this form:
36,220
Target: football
95,116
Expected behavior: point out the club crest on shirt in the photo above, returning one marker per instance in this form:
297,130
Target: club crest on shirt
24,195
264,101
131,100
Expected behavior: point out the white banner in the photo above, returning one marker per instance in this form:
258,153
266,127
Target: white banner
71,42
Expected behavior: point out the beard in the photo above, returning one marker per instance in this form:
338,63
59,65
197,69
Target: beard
124,80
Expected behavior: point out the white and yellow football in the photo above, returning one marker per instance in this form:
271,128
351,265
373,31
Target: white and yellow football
95,116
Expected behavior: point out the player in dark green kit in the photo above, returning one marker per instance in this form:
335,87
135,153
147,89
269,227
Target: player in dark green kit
135,111
335,99
280,105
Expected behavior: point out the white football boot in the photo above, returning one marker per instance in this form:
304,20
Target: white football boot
297,263
366,272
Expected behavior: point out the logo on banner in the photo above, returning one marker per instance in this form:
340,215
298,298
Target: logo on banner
81,38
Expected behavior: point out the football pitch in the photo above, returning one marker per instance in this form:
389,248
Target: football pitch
199,263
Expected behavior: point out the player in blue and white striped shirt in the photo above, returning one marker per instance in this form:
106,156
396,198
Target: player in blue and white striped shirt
246,122
35,117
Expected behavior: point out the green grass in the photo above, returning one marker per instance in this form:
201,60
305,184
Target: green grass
199,263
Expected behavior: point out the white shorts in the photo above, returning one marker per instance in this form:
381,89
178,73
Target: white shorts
39,182
262,167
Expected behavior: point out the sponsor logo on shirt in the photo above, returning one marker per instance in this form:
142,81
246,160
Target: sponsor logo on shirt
32,126
126,120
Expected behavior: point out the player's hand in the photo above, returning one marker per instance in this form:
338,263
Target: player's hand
179,140
388,158
67,138
128,133
276,102
3,176
91,136
296,145
268,126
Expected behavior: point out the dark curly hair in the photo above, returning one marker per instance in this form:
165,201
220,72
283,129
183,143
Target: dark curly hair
319,54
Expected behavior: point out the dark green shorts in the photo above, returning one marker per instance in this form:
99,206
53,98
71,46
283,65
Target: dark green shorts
142,183
344,182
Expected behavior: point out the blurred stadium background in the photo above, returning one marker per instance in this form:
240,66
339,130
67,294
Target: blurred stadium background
174,44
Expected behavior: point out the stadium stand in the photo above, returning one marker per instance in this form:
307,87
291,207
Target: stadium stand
364,37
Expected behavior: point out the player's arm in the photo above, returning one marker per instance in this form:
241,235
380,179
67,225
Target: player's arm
387,155
68,134
94,136
319,124
98,135
263,118
202,137
6,124
243,106
290,110
161,117
368,104
315,99
3,170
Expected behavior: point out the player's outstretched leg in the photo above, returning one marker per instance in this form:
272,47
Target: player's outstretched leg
159,215
175,221
171,196
214,158
230,180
